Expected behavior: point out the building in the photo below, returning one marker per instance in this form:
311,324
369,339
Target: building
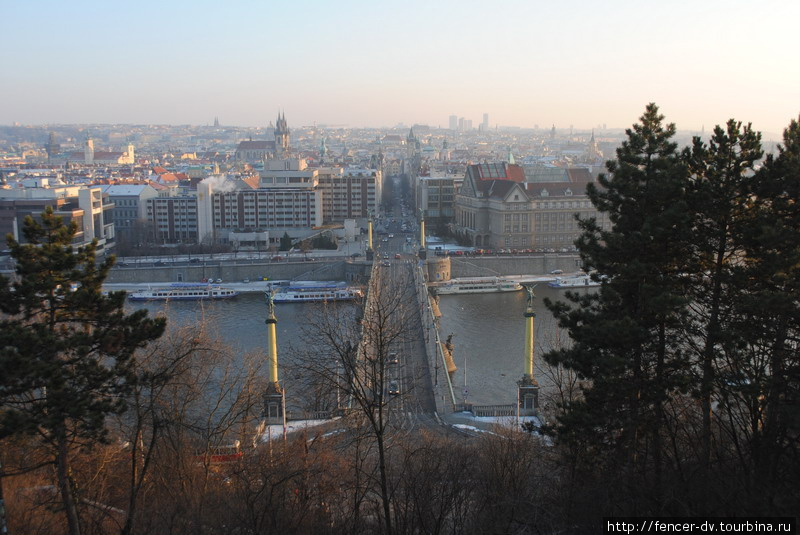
349,193
130,206
90,156
86,206
501,206
254,151
174,219
436,198
260,150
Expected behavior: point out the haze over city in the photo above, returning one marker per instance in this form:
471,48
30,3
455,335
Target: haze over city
378,64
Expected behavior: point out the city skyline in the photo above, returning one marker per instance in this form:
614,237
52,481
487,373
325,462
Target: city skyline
365,65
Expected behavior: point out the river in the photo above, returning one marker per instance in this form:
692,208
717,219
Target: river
488,333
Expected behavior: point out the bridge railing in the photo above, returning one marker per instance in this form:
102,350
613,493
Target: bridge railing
433,346
493,410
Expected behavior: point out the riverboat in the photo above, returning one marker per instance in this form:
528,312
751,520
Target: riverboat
579,281
319,293
184,292
477,286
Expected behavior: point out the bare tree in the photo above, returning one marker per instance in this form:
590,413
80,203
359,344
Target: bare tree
351,356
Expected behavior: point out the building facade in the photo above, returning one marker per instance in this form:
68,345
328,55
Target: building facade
84,205
130,206
349,193
498,207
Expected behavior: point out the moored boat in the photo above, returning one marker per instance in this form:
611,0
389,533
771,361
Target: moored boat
477,285
183,292
319,293
579,281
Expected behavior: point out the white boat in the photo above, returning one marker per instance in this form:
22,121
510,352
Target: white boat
320,293
476,286
579,281
184,292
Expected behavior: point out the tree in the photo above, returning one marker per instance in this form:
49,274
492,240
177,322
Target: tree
351,356
765,374
66,349
622,334
720,176
286,242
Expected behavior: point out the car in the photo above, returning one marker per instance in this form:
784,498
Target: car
386,256
121,264
195,261
355,255
392,358
159,263
384,240
219,281
386,263
394,388
397,255
246,281
277,258
557,272
391,235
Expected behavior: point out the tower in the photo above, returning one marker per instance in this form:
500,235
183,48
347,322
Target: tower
52,147
274,397
528,393
411,142
281,137
88,151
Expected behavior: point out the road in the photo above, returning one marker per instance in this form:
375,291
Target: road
409,384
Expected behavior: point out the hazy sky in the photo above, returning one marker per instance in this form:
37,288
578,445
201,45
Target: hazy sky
378,63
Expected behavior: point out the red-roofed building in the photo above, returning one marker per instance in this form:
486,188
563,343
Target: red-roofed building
502,206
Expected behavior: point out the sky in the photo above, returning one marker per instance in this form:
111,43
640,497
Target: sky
378,63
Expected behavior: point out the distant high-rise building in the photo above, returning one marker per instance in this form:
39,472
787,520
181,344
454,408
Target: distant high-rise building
52,147
216,121
467,124
453,122
485,122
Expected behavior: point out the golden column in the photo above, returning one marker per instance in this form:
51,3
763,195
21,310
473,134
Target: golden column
272,342
528,393
369,234
422,232
274,397
530,316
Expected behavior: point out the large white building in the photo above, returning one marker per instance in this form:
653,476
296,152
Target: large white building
85,205
287,197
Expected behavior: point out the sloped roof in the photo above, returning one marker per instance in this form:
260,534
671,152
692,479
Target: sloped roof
498,189
256,145
557,189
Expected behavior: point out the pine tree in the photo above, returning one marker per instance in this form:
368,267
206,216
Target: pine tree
766,371
720,172
65,348
286,242
622,334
